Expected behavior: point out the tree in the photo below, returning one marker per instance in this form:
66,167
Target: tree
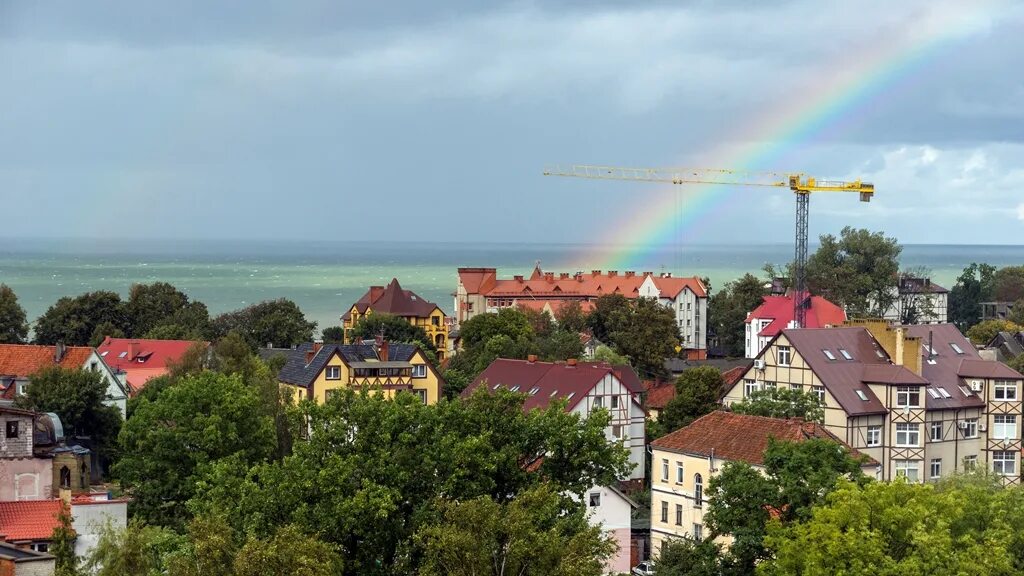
916,301
697,393
13,326
77,396
62,545
604,353
1016,315
137,550
74,321
279,323
858,271
611,314
530,534
392,328
188,426
541,322
974,286
688,557
983,332
1017,363
334,334
781,403
728,309
570,317
641,329
486,337
161,305
560,345
1008,284
289,551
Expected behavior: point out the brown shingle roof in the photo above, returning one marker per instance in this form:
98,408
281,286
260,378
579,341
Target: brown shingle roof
942,369
393,300
552,380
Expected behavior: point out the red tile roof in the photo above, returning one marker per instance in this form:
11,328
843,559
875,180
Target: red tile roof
738,437
659,395
392,300
671,286
27,520
554,305
553,380
478,280
580,285
140,359
23,360
779,309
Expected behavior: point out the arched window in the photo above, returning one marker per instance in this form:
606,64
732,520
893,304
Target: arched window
65,477
698,490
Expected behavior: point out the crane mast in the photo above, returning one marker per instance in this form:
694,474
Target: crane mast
801,185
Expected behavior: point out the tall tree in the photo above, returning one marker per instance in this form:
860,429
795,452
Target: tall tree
280,323
570,317
13,325
74,321
781,403
161,305
62,545
858,271
485,337
1008,284
137,550
728,309
392,328
974,286
333,334
697,393
641,329
688,557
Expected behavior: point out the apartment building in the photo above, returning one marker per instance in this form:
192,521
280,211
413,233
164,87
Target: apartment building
918,399
918,301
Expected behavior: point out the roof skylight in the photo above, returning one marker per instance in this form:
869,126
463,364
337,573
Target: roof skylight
933,393
571,394
534,390
956,348
944,393
496,386
122,354
862,395
515,388
829,354
845,354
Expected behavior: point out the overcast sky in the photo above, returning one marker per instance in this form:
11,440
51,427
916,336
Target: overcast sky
433,120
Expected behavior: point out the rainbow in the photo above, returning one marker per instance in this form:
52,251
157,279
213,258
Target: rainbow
823,105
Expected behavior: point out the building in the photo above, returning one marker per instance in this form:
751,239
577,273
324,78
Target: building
18,362
15,561
29,524
480,291
684,461
139,360
996,310
91,514
918,301
585,386
918,399
315,370
1006,346
405,304
777,313
35,462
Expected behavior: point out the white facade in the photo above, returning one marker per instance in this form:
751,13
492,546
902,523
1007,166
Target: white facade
88,519
753,341
613,511
928,308
627,422
117,388
690,309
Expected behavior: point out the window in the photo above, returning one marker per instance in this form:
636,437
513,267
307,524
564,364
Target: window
970,428
785,355
534,390
970,463
829,354
698,490
615,402
935,432
65,477
698,532
599,402
874,435
422,395
819,393
41,547
104,353
907,469
1004,462
12,428
94,366
679,472
796,387
419,371
935,468
845,354
617,431
664,512
907,434
679,514
934,393
595,499
435,320
1005,390
908,396
333,373
861,395
664,470
771,385
515,388
956,348
1005,427
749,387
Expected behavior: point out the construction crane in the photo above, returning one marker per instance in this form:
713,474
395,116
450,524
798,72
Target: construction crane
801,185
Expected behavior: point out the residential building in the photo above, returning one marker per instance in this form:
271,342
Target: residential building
918,301
18,362
405,304
91,514
315,370
16,561
30,524
777,313
585,386
996,310
479,291
683,462
139,360
1006,346
918,399
35,462
660,393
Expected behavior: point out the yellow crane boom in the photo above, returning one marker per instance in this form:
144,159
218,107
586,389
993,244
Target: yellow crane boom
801,184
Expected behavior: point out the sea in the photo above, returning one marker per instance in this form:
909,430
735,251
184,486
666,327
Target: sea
325,278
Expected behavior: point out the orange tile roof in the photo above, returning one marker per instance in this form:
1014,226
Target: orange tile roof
671,286
23,360
739,437
26,520
658,396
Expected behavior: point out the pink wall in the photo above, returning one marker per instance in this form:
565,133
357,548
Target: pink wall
620,561
34,476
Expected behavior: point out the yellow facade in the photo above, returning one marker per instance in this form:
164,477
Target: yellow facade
679,488
421,379
434,325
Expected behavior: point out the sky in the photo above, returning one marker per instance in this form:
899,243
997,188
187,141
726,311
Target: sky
415,121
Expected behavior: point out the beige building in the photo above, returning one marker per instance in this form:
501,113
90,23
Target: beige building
684,461
918,399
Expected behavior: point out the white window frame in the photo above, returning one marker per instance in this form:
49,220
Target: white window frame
595,500
332,373
698,490
908,396
680,477
698,531
1004,462
934,427
1005,391
419,371
971,431
785,354
1005,430
970,463
908,435
874,435
905,467
819,393
750,386
935,468
664,469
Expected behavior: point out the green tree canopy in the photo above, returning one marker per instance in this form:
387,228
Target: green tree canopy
604,353
137,550
974,286
188,426
1016,315
858,271
334,334
13,325
570,317
280,323
393,328
486,337
728,309
697,393
641,329
77,396
162,306
1008,284
688,557
983,332
530,534
74,320
781,403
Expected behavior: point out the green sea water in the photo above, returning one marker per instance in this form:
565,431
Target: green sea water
324,278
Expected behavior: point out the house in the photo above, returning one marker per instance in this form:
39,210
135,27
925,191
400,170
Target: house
139,360
684,461
29,524
18,362
1006,346
918,301
315,370
660,393
480,291
35,463
996,310
91,514
777,313
15,561
918,399
405,304
585,386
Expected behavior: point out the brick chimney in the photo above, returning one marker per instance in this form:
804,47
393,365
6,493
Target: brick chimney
549,276
630,273
595,273
133,350
563,276
58,352
317,345
382,351
648,273
531,358
570,363
518,278
613,273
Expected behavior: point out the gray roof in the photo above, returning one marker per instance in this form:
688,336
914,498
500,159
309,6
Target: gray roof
298,372
942,368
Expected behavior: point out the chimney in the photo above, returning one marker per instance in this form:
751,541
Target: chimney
531,358
630,273
648,273
570,363
382,351
563,276
613,273
518,278
549,276
317,345
133,350
900,344
309,356
579,276
58,352
595,273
